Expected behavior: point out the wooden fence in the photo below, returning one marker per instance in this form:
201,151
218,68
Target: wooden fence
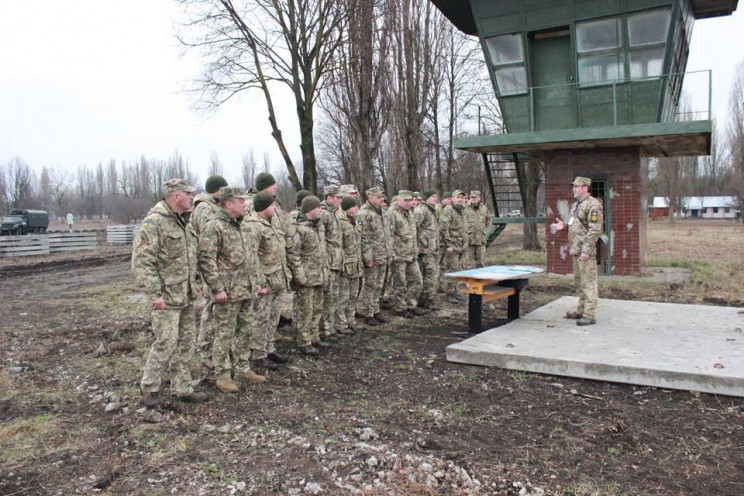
121,234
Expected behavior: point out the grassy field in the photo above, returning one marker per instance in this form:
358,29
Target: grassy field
382,413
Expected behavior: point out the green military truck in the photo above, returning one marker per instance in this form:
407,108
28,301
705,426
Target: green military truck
25,222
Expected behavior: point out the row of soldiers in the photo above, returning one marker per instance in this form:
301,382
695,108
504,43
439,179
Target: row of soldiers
336,256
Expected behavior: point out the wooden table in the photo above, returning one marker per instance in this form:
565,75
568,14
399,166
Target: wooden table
492,283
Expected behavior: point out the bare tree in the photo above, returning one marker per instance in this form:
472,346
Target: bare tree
248,169
735,136
60,189
417,44
20,183
215,164
251,43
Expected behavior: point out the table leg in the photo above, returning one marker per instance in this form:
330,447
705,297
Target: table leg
513,306
475,313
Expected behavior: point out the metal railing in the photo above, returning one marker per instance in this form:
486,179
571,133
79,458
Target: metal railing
686,96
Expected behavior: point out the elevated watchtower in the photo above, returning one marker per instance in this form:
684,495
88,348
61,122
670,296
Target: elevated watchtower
590,87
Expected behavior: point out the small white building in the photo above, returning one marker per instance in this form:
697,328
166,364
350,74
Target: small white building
701,207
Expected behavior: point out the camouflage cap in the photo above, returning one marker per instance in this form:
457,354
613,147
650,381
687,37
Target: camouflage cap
475,192
458,192
376,191
346,189
174,185
417,195
331,190
227,192
581,181
405,194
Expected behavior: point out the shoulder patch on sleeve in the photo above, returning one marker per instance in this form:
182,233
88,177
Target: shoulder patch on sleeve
593,216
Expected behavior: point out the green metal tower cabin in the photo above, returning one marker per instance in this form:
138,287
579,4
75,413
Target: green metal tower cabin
590,87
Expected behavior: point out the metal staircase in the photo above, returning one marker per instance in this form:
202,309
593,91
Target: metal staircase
505,180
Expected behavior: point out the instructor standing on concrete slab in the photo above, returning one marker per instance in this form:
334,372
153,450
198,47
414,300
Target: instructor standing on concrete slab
584,228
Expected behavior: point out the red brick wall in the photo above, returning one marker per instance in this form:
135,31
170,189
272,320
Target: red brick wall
622,168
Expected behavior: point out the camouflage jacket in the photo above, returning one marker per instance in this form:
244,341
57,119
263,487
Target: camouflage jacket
332,236
227,258
454,230
206,208
374,234
307,256
402,231
427,229
272,251
351,236
164,257
477,220
585,226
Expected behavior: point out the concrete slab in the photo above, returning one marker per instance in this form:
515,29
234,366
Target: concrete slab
666,345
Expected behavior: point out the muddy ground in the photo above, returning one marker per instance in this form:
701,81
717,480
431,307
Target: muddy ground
381,413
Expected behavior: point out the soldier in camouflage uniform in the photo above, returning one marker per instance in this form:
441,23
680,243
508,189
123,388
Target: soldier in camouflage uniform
446,200
206,208
584,229
309,265
351,244
427,232
478,218
272,256
404,269
228,264
335,260
164,263
455,236
374,256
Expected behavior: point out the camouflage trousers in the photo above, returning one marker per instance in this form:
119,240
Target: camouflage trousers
266,311
476,256
369,299
347,300
406,282
174,330
233,326
429,267
451,262
585,282
330,302
309,313
206,331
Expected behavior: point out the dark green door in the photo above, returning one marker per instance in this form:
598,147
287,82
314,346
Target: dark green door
552,66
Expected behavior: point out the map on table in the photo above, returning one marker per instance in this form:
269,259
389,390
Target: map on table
497,272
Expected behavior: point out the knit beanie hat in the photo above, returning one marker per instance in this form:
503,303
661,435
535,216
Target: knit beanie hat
428,194
214,183
264,180
262,201
446,195
301,195
347,203
310,203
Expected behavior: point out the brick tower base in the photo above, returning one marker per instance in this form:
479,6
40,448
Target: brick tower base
620,175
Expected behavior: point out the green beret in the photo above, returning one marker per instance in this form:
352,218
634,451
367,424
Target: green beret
264,180
429,193
214,183
262,201
347,203
301,195
310,203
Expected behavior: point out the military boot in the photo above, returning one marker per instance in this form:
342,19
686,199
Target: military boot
371,321
309,350
573,315
322,344
194,398
418,311
278,357
151,398
264,364
226,385
583,321
381,318
250,376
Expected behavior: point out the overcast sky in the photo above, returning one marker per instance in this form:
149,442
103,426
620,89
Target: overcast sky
82,81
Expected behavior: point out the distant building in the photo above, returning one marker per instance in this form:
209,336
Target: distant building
697,207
